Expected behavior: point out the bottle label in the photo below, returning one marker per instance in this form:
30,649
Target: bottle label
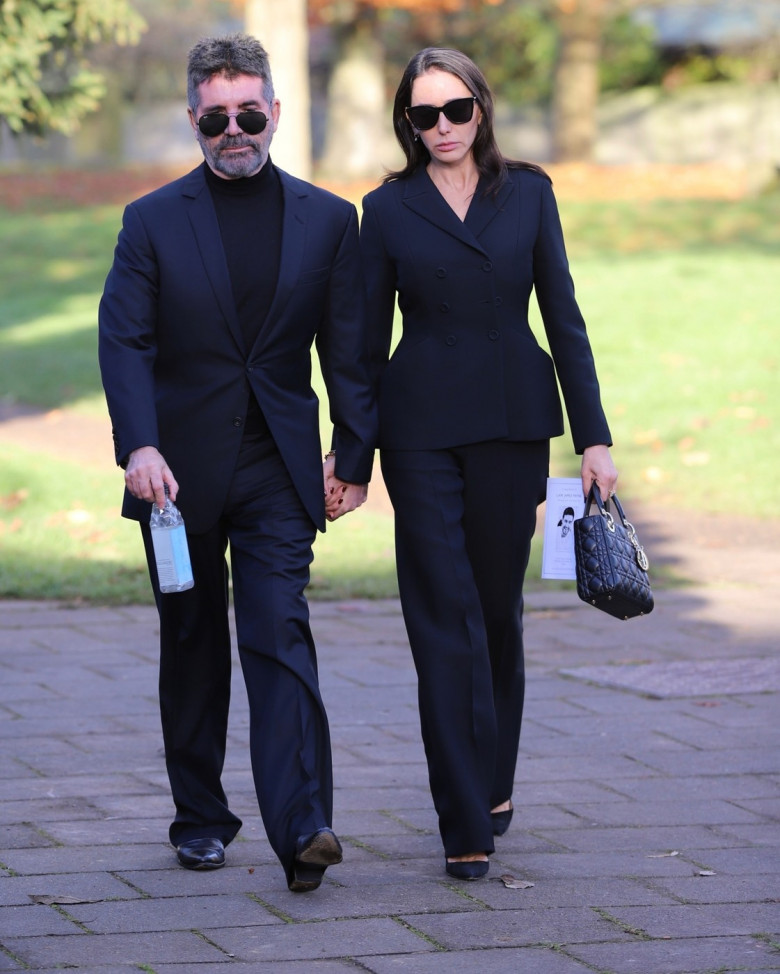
171,553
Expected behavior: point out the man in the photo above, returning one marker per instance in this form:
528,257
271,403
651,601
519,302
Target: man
566,521
221,281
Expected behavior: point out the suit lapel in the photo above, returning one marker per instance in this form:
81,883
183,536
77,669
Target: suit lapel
295,193
421,196
205,227
484,209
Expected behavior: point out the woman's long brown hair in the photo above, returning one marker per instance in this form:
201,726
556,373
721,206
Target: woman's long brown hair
491,164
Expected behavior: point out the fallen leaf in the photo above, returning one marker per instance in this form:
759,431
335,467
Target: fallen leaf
645,437
47,900
653,475
511,883
10,501
698,458
78,516
674,360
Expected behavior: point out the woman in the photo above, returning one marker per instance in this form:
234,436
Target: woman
468,403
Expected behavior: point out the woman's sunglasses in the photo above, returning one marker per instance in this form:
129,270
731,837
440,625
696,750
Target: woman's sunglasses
215,123
458,111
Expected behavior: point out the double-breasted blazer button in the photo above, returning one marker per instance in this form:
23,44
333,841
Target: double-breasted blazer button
441,271
444,307
494,334
451,340
487,267
498,302
237,421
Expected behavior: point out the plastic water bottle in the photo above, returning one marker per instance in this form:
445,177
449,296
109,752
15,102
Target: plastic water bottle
171,552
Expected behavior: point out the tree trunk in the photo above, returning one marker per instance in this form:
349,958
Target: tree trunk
358,118
576,79
282,29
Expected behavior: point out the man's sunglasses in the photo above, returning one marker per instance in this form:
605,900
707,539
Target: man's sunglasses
458,111
215,123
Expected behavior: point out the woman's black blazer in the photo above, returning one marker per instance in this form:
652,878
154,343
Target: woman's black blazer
468,367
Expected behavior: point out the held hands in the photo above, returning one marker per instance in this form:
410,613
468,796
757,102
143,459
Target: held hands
597,466
340,497
147,474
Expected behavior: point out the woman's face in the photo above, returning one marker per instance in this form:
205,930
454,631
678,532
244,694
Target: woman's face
447,142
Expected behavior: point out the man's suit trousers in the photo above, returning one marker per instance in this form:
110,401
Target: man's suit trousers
270,536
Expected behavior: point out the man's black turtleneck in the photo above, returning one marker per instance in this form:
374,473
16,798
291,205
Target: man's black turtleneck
250,212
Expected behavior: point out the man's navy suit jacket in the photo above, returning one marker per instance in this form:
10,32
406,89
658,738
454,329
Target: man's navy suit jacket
174,368
468,367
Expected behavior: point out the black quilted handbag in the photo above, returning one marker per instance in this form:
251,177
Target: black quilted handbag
610,562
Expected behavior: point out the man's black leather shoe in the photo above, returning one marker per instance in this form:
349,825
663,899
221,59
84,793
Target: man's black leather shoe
201,854
313,854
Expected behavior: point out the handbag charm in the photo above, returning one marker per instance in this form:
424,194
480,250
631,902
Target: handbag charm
611,564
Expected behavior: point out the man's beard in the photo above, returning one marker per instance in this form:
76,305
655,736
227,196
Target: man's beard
234,167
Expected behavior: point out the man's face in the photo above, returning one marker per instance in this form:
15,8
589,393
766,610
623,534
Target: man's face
568,520
234,153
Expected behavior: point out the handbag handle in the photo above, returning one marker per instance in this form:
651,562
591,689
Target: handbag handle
594,497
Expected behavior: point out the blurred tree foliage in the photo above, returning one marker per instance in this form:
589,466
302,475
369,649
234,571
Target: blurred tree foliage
558,52
697,65
516,44
46,80
629,55
155,68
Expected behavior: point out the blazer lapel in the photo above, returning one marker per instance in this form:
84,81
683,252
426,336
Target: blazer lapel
484,209
295,193
421,196
205,226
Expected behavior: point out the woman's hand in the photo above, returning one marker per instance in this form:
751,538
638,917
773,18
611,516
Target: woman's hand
343,498
597,466
340,497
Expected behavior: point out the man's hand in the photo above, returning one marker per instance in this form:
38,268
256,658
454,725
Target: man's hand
340,497
146,475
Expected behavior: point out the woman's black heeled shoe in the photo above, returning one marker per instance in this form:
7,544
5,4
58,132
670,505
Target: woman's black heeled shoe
474,869
501,820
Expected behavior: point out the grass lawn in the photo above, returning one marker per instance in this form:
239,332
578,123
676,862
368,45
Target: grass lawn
681,301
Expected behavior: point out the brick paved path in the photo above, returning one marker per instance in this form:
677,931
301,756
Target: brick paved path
647,794
647,791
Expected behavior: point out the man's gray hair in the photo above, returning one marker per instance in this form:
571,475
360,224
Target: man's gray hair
231,55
